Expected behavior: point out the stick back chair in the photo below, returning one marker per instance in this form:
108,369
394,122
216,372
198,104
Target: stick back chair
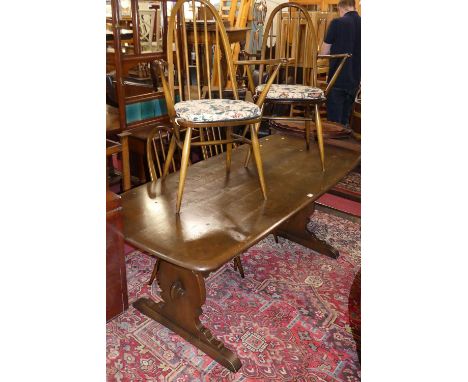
290,34
190,64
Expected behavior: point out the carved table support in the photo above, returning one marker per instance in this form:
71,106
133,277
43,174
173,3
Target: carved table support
183,292
295,229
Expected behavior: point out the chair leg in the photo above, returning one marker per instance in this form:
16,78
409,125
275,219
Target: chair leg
318,124
228,149
183,167
170,155
258,159
238,266
155,271
249,153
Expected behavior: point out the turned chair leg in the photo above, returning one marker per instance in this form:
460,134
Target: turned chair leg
183,167
258,159
318,124
238,266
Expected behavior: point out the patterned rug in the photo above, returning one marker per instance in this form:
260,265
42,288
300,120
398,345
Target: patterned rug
351,182
288,320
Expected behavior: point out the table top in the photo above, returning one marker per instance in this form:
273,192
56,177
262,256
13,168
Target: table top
223,215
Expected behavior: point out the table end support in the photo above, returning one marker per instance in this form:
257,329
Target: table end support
183,292
295,229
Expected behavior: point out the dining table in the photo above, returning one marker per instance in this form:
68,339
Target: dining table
223,214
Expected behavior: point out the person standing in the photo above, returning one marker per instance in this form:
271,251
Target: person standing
343,36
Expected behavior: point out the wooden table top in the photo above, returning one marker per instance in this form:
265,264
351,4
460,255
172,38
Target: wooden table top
222,216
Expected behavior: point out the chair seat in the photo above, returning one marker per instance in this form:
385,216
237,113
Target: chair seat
213,110
293,92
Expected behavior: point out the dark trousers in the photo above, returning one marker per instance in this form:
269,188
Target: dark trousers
339,105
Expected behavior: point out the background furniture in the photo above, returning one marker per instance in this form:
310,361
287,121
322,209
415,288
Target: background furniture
150,30
121,147
139,100
323,5
116,276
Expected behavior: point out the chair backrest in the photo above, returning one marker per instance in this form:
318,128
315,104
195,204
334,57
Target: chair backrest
147,22
190,69
290,33
157,145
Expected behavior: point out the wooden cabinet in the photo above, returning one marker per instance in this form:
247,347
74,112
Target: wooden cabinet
116,276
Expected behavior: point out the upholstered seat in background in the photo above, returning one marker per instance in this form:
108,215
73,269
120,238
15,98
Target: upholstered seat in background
291,92
211,110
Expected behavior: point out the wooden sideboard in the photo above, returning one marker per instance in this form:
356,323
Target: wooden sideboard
116,276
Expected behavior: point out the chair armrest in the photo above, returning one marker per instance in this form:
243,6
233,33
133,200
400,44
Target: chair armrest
343,57
244,53
330,56
273,61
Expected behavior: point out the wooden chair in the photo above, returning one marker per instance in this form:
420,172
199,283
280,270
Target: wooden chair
157,146
290,34
189,68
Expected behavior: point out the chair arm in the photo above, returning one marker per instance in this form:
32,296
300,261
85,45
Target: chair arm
332,81
273,61
330,56
244,53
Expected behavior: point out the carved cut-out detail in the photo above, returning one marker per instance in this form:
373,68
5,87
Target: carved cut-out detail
184,294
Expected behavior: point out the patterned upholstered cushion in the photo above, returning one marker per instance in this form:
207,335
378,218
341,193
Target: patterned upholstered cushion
278,91
212,110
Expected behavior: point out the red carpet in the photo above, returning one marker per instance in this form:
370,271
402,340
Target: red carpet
287,320
345,196
341,204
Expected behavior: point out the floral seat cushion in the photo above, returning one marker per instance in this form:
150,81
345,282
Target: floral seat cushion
278,91
212,110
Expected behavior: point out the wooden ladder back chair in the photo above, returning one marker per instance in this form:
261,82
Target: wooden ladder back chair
190,64
290,34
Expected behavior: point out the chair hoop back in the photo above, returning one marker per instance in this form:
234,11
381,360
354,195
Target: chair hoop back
290,33
190,44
